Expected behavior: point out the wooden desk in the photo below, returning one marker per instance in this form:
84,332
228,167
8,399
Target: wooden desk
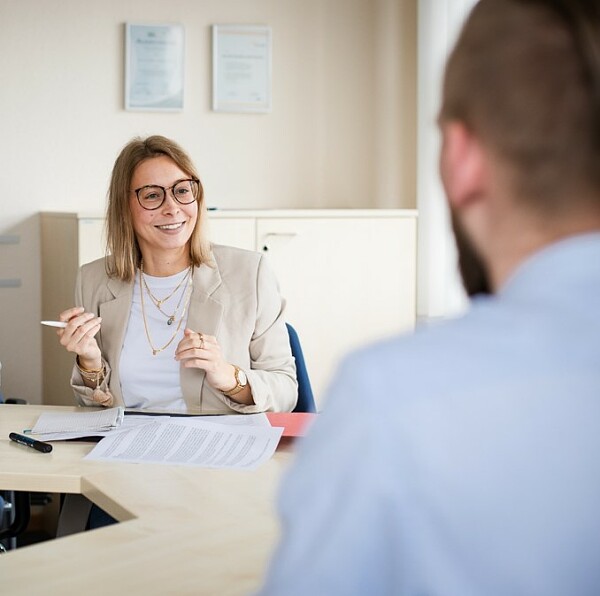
183,531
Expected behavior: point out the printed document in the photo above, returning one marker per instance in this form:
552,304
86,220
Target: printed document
189,441
51,425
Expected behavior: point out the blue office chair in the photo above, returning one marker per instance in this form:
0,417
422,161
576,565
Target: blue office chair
306,400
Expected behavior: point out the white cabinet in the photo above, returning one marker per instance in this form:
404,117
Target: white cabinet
348,276
347,280
232,231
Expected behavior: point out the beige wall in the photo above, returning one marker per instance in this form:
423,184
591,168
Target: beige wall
341,133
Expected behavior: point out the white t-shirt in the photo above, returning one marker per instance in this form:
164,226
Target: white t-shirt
149,381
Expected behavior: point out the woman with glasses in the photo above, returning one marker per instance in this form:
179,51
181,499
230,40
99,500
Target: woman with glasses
168,321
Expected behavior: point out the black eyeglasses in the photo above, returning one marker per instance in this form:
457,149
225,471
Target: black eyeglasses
153,196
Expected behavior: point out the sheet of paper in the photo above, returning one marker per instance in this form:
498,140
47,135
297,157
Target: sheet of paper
259,419
236,419
192,442
128,422
83,422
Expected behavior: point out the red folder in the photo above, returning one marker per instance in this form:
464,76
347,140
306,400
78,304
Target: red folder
295,424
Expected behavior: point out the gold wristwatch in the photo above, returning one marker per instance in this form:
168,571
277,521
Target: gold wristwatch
241,380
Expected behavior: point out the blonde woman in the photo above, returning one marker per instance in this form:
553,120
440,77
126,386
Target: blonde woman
167,321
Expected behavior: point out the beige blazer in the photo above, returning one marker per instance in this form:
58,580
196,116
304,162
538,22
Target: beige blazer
237,300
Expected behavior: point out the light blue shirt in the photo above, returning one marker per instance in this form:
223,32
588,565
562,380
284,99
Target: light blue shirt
464,460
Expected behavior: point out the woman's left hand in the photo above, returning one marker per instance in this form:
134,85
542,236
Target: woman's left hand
197,350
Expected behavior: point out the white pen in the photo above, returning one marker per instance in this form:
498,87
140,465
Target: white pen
60,324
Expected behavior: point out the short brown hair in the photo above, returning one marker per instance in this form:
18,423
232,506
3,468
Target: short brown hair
524,77
122,248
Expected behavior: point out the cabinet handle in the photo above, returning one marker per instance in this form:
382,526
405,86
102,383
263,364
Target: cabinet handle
275,237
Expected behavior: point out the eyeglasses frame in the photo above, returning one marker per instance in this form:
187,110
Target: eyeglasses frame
165,191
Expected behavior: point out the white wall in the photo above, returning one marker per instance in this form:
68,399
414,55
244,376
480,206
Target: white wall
341,133
440,292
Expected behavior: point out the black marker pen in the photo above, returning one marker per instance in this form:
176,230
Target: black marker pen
29,442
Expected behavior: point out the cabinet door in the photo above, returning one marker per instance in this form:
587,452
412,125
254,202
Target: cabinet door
347,281
92,243
233,231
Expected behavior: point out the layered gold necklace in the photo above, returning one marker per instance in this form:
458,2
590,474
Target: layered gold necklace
158,303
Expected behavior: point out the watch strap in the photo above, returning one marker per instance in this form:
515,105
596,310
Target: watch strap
238,385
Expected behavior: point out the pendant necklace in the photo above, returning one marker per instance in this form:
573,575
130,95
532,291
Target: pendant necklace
158,302
188,291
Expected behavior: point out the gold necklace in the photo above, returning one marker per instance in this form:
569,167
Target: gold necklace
155,351
154,298
158,303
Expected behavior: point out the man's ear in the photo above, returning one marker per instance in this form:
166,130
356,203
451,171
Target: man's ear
463,165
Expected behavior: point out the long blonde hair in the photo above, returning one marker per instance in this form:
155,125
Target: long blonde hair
122,249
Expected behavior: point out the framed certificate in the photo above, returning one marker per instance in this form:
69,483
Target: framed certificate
154,67
241,68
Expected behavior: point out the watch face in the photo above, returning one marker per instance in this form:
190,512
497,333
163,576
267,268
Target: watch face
242,378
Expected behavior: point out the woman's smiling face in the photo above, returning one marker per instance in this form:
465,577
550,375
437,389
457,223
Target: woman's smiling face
168,228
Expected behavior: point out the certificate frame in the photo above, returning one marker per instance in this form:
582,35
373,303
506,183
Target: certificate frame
154,67
242,66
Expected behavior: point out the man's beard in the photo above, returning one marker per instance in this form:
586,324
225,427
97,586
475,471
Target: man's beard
472,270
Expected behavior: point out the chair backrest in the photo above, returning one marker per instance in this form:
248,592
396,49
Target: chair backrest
306,400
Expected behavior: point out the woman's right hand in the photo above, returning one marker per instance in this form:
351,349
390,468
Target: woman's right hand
78,336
